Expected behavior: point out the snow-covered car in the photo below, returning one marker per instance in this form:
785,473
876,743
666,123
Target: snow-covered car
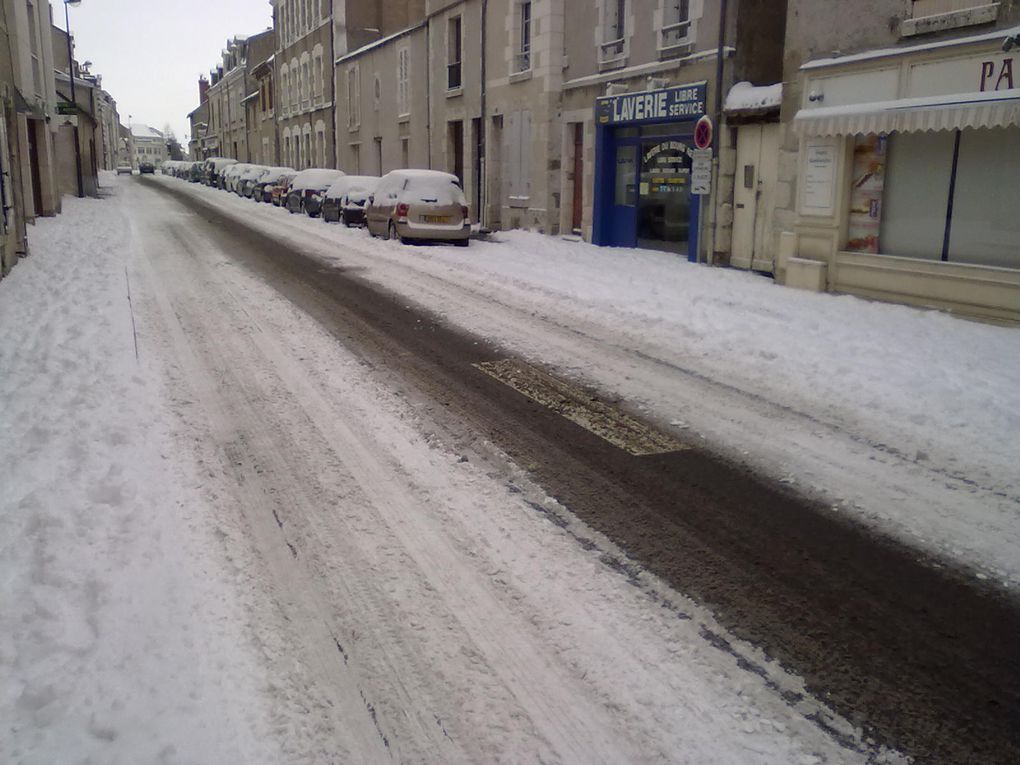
278,190
262,188
346,199
245,182
232,175
123,169
214,166
307,188
419,205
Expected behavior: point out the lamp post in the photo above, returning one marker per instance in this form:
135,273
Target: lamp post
74,99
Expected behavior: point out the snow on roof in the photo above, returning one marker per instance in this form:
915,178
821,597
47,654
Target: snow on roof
144,131
315,177
744,96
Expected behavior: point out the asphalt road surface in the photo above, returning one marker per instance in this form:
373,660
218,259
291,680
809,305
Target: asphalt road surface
920,656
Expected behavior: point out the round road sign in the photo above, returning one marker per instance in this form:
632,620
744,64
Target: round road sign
703,132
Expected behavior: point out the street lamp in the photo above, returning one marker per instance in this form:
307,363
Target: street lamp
74,99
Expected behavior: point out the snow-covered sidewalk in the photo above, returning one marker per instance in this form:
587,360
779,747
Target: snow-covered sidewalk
907,419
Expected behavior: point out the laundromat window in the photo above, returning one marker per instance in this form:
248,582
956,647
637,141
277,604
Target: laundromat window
626,176
660,130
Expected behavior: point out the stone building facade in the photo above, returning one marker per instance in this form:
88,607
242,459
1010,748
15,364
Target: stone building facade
28,183
304,82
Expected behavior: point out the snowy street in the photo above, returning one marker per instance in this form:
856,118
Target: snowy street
240,521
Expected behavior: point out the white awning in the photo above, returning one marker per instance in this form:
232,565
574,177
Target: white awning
967,110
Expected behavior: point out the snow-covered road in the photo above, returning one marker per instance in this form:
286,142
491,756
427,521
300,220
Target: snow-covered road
906,420
226,538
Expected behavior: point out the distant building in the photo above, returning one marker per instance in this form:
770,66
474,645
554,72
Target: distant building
149,145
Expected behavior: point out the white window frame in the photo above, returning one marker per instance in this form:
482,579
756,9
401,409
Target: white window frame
613,31
524,26
353,98
455,52
675,29
404,81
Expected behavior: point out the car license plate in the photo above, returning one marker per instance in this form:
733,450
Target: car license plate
435,218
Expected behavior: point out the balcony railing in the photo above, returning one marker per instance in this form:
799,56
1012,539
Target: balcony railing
674,35
612,49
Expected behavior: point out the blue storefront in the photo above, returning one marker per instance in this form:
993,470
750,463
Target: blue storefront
643,170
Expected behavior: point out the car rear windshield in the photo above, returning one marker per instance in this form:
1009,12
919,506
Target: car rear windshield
440,191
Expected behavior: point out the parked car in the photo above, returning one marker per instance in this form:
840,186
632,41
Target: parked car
278,190
346,199
146,167
195,172
419,205
232,176
123,169
307,188
262,189
246,181
214,167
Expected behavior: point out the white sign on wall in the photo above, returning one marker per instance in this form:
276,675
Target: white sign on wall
818,181
701,171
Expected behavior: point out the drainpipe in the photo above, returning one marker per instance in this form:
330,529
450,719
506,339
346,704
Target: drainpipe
716,164
483,201
428,89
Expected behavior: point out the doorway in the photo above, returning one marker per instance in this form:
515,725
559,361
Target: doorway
664,196
577,209
753,196
456,147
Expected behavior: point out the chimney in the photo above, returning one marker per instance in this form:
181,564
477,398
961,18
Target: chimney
203,90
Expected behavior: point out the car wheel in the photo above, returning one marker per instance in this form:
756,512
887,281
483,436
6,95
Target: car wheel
462,242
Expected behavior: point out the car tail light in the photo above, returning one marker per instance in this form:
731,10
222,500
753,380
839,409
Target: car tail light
464,211
402,209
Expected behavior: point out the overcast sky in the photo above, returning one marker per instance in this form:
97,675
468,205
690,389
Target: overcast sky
151,52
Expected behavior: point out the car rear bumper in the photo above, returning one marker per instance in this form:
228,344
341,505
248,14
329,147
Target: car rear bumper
437,233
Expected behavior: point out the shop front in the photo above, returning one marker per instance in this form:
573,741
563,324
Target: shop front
643,195
909,178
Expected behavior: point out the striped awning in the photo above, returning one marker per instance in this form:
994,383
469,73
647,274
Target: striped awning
969,110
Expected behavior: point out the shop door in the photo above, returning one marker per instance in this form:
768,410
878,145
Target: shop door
664,216
577,209
623,220
753,196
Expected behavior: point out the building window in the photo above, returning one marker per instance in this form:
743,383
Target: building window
518,137
376,91
522,61
942,196
676,24
405,152
614,28
306,85
353,99
355,159
453,53
403,81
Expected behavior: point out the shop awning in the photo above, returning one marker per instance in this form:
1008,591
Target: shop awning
968,110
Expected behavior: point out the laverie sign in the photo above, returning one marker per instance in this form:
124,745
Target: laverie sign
686,102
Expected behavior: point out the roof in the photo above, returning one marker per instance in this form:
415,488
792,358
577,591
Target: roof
144,131
745,98
378,43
